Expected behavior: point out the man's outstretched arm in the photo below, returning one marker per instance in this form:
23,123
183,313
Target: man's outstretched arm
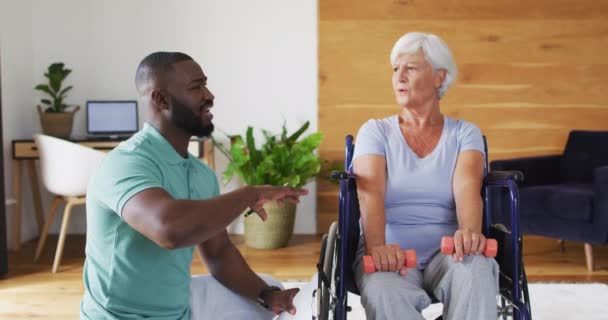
172,223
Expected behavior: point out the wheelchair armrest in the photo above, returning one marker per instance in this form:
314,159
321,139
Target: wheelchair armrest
338,175
539,170
494,176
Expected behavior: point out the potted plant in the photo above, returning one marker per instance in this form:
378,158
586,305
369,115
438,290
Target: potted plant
55,119
282,160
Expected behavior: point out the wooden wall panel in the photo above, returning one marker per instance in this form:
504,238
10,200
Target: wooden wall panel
464,9
529,72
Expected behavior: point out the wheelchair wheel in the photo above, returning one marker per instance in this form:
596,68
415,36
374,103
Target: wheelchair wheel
326,287
505,309
319,293
506,306
524,285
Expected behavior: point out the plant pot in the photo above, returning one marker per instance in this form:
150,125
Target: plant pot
276,231
57,124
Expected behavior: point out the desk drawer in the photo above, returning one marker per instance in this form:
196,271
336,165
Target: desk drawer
24,150
28,149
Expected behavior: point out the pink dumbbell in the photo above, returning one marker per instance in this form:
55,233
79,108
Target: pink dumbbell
490,250
410,261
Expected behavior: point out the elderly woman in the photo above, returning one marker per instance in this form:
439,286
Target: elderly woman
419,175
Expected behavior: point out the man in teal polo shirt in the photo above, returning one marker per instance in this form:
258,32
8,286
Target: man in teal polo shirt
151,203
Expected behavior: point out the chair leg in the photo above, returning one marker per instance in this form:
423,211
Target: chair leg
49,220
71,202
589,256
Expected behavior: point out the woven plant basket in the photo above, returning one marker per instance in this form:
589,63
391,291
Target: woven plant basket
57,124
276,231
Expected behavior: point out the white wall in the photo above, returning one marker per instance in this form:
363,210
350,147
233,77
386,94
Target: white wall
18,118
260,57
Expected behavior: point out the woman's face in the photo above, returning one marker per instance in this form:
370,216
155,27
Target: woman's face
414,81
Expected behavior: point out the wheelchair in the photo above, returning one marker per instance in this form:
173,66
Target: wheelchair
339,245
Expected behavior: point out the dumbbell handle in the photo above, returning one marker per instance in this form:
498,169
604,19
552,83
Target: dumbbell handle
410,261
490,250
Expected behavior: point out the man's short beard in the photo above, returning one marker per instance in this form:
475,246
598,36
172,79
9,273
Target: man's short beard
182,117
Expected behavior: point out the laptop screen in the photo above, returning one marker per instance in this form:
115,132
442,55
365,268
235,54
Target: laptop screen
112,117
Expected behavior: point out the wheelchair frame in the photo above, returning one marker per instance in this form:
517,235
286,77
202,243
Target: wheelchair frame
338,248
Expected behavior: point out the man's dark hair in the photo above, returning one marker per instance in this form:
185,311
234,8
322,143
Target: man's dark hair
156,65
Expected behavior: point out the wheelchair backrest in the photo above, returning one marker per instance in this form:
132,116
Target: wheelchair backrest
348,222
509,256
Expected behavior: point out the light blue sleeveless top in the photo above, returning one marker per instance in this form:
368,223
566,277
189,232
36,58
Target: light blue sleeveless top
419,200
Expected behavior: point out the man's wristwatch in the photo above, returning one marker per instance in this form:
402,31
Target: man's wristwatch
264,294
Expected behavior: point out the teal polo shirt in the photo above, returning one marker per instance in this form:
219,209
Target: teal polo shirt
126,275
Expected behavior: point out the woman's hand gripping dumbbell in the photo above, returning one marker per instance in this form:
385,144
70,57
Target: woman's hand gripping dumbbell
490,250
410,260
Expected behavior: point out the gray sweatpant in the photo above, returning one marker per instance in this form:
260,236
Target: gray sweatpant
467,289
209,299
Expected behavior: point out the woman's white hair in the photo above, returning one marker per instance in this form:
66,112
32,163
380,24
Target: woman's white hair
435,50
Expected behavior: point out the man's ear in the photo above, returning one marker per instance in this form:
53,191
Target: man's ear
159,100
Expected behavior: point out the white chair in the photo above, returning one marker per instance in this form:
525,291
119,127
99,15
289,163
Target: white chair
66,169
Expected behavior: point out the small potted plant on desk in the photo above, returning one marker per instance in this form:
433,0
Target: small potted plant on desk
282,160
55,119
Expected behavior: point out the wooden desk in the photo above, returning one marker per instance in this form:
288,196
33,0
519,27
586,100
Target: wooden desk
25,151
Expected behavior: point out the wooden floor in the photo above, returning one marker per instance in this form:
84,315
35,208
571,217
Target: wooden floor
31,291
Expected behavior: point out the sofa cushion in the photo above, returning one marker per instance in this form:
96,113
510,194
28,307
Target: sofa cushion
585,151
565,201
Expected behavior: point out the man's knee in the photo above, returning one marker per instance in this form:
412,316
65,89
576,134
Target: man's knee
208,298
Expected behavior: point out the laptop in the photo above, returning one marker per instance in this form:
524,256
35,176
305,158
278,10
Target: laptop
111,119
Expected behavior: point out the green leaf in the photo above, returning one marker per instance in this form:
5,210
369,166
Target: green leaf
270,141
55,82
284,131
297,134
45,101
267,134
254,154
63,92
56,67
45,88
238,152
228,173
312,141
